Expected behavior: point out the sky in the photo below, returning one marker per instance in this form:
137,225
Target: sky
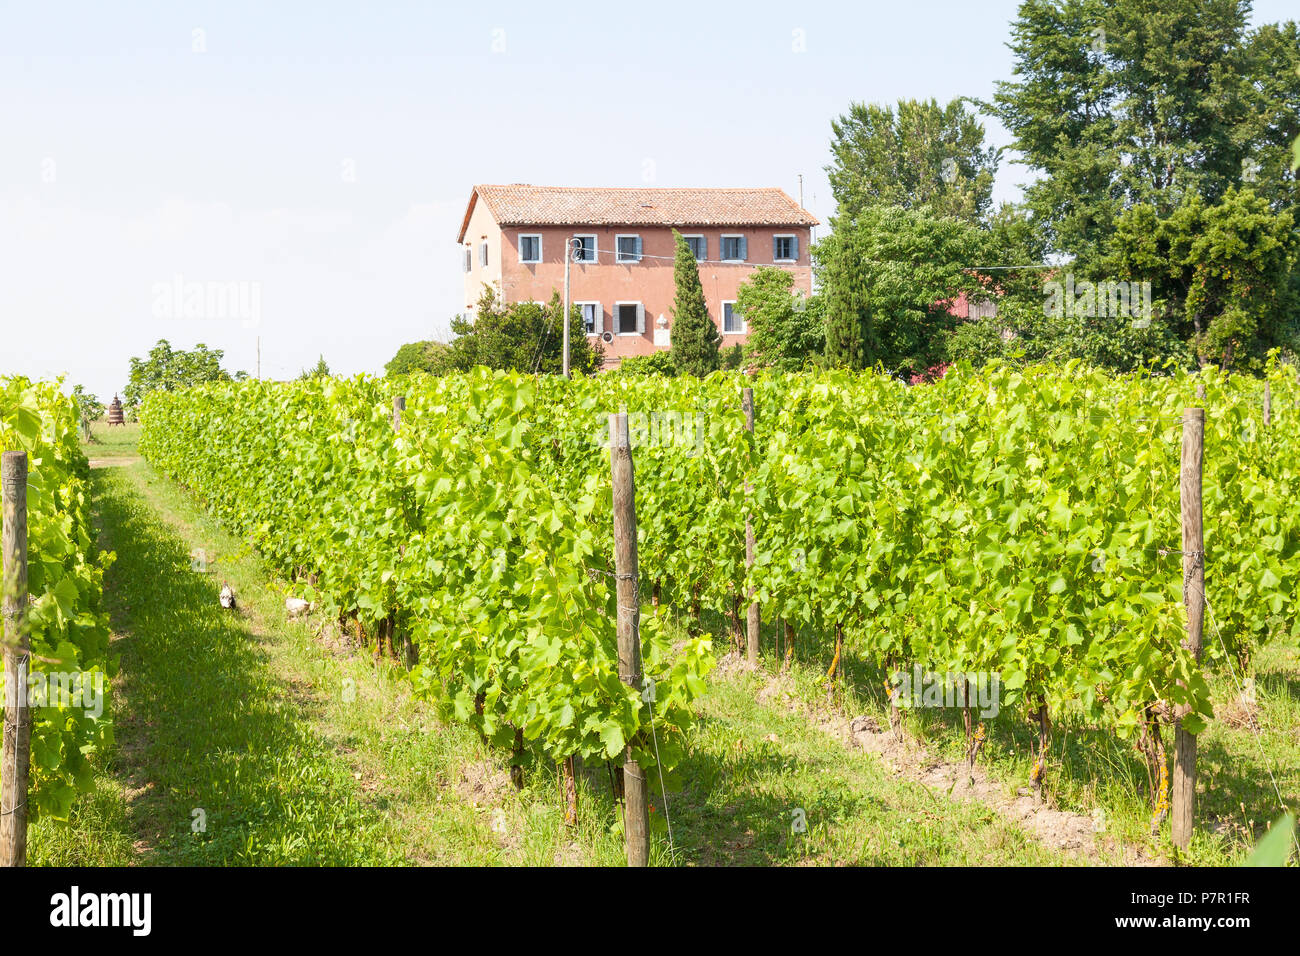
305,167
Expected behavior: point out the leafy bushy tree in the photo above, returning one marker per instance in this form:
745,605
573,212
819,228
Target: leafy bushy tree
1119,103
92,409
695,336
524,336
920,155
171,369
426,356
1025,331
319,370
786,330
890,275
1222,272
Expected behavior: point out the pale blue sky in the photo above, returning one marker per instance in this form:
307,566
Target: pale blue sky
322,153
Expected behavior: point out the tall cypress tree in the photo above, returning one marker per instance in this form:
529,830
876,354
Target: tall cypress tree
849,334
695,338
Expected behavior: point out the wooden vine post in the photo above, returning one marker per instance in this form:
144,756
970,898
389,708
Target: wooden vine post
1183,797
1268,405
15,755
636,813
752,620
407,652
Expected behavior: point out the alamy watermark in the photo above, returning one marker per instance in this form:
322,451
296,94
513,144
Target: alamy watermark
1084,299
919,688
225,300
658,430
67,690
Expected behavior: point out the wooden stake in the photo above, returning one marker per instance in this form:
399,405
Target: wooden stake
752,621
1183,798
399,406
569,784
636,808
1268,405
15,755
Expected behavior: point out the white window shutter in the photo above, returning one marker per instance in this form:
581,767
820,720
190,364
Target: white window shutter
600,318
640,313
638,248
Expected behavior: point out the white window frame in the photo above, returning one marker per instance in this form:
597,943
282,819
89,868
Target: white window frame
469,257
520,247
699,235
722,243
595,247
785,235
722,318
618,253
483,254
640,317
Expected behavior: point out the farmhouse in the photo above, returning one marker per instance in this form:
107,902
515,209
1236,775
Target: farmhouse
514,237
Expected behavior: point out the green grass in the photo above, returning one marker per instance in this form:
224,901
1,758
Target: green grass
1091,769
117,441
742,789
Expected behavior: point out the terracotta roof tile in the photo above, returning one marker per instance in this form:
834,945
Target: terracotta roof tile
525,205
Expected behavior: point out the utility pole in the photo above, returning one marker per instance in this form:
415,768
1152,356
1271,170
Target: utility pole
571,247
568,254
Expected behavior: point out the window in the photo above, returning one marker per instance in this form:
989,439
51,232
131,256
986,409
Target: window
628,248
733,248
732,323
588,251
699,247
593,318
530,248
482,254
629,318
785,248
469,258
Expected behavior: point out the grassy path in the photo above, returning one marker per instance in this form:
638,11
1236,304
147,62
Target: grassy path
245,738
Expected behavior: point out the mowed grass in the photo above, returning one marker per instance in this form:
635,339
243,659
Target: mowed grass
1093,772
112,441
246,738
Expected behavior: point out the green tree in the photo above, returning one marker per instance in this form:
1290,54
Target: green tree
523,336
1119,103
920,155
92,409
427,356
171,369
695,337
890,276
1222,273
1024,332
786,330
320,370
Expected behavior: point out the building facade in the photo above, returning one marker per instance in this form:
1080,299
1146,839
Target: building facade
513,239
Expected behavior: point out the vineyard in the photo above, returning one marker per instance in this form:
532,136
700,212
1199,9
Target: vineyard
1018,523
67,630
